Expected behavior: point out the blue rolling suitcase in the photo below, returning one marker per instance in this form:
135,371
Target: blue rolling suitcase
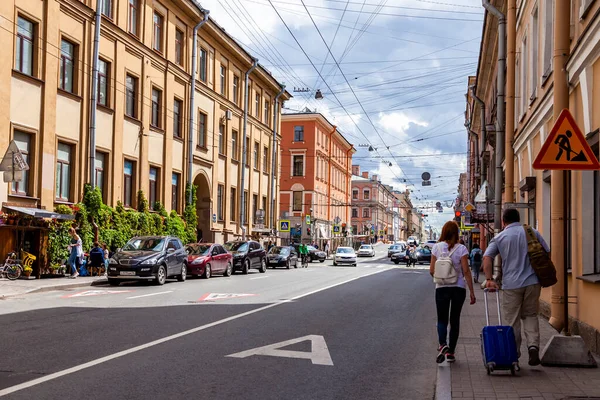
498,344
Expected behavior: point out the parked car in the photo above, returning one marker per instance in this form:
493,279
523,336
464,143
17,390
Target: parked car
344,255
207,259
366,250
423,255
315,254
282,256
413,240
395,248
429,244
151,258
247,254
398,257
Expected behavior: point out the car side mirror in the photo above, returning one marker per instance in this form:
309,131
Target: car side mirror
170,250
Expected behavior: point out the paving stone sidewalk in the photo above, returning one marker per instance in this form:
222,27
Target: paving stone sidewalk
20,286
470,380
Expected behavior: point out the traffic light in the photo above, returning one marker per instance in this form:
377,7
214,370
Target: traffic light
308,231
457,215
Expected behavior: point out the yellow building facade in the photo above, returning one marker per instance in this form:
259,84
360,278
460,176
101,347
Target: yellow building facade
533,120
143,112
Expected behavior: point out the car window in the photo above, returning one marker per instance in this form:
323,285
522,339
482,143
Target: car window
344,250
198,249
311,248
145,244
173,244
221,249
366,247
254,246
237,246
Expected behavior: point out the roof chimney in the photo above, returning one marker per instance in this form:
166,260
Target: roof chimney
356,170
365,174
374,178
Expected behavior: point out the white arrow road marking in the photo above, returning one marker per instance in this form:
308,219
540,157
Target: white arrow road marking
151,294
319,353
223,296
259,277
89,293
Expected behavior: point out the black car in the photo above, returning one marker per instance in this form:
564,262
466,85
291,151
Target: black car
150,258
282,256
315,254
398,257
395,248
423,255
247,254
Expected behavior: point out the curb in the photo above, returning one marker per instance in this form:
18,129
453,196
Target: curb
443,384
58,287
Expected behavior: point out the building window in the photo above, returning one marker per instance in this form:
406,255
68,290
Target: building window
203,65
265,159
247,151
179,42
131,84
355,194
133,17
177,107
264,208
298,166
25,38
220,200
354,213
157,33
366,213
299,134
156,108
221,139
103,79
63,172
232,204
548,35
234,145
67,66
202,130
524,67
246,209
254,208
366,194
107,8
99,165
23,141
297,201
154,175
534,53
236,89
266,121
256,160
175,191
223,80
128,179
257,105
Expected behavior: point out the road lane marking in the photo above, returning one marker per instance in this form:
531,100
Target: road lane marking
259,277
89,293
223,296
319,353
110,357
151,294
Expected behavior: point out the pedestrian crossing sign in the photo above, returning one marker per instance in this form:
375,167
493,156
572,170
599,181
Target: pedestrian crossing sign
284,226
336,229
565,147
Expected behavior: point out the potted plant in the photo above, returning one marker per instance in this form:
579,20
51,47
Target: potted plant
27,271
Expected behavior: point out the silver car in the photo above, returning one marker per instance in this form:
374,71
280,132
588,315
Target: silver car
366,250
344,255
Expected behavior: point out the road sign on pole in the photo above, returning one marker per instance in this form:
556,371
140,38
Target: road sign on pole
566,147
284,226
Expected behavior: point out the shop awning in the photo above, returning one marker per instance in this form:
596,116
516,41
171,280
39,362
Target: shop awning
39,213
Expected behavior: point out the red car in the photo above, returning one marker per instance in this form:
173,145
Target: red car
206,259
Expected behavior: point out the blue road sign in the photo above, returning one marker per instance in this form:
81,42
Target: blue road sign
284,226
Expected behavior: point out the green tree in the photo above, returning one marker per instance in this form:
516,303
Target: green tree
189,215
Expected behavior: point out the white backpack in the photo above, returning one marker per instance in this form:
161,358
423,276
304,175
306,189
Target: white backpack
445,273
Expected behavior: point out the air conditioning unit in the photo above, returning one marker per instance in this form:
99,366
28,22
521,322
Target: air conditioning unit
228,115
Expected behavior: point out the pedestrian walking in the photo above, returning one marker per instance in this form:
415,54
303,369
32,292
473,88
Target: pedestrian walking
327,248
76,252
476,259
520,284
450,290
96,259
106,258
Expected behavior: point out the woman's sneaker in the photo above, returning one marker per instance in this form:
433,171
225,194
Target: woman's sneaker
450,357
442,354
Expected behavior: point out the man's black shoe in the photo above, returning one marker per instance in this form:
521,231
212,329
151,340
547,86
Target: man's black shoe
534,356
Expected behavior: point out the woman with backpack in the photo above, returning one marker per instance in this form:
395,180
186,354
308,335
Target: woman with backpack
476,258
450,271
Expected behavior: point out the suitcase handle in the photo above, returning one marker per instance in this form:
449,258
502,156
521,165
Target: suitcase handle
487,314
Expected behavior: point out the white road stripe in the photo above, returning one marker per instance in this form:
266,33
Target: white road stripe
89,364
151,294
259,277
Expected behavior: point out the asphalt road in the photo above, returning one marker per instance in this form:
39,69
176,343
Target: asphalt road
334,333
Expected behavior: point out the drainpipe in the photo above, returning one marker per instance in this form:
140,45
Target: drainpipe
558,228
244,150
94,94
274,157
192,97
500,120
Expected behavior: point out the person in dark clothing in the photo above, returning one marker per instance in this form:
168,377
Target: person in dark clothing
96,259
476,259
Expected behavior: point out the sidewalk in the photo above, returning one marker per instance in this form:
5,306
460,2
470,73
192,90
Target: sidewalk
469,379
20,286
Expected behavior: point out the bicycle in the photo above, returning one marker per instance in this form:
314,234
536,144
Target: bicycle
11,268
304,261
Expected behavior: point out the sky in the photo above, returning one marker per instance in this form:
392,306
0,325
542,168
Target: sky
393,75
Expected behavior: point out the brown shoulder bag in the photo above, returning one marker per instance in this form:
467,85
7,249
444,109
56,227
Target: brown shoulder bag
539,259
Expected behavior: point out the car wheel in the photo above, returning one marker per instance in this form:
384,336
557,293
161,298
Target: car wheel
334,264
228,270
246,267
309,259
113,282
181,277
161,275
207,272
396,262
263,266
321,260
287,264
354,265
